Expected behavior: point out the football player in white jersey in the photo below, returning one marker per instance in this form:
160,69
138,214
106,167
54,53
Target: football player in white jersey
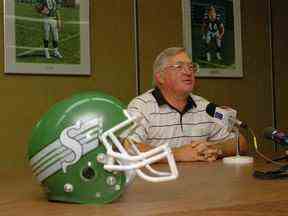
49,9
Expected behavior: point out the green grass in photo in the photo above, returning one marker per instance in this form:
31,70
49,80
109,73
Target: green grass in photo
30,33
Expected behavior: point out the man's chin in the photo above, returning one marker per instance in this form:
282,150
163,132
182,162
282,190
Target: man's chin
189,89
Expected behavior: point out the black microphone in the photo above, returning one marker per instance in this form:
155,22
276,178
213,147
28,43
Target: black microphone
224,115
276,135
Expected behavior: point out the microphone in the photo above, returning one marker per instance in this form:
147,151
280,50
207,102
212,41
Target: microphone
224,116
276,135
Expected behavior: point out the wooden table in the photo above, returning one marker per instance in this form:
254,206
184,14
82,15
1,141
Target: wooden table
201,189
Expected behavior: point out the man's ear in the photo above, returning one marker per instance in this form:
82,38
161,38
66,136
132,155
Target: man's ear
159,78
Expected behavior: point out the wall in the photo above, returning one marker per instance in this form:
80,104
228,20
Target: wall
280,63
25,98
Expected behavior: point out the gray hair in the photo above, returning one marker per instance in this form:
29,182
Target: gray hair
162,59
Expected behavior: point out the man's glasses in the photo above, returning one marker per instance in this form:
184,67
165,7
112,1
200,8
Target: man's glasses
183,66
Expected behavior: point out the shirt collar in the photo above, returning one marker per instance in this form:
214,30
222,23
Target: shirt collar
162,101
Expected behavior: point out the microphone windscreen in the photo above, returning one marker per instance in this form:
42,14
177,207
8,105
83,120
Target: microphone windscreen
210,109
268,132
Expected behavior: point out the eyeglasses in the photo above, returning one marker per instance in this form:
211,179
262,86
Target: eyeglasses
183,66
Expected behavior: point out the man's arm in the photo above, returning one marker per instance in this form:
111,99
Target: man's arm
59,21
228,147
221,31
196,151
204,29
210,150
201,150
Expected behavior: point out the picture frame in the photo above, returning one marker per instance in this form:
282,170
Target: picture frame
212,36
33,41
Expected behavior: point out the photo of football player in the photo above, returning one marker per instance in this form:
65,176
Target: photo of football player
52,24
38,44
212,31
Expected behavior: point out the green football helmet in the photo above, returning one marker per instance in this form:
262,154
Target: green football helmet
77,155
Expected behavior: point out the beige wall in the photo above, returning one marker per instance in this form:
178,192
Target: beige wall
25,98
280,62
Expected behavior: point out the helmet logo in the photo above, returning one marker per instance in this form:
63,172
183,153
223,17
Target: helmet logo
71,143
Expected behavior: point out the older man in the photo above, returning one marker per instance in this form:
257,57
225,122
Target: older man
173,114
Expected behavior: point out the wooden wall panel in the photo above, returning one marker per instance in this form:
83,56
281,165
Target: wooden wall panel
280,63
159,27
25,98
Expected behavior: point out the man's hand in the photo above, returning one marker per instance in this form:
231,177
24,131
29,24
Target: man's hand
60,25
203,36
206,150
42,9
197,151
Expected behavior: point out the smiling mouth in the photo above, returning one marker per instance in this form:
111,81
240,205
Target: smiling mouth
188,81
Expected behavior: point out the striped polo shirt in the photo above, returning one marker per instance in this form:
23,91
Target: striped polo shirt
162,123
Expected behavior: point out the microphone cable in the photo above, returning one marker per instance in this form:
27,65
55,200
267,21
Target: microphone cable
281,173
258,152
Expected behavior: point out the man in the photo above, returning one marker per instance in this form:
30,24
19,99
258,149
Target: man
49,9
172,114
212,33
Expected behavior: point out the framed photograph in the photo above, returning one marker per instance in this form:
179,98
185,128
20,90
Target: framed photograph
47,37
212,36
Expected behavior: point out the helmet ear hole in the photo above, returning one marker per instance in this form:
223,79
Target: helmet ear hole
88,173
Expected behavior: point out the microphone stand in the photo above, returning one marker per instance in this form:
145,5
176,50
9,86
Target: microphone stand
237,159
